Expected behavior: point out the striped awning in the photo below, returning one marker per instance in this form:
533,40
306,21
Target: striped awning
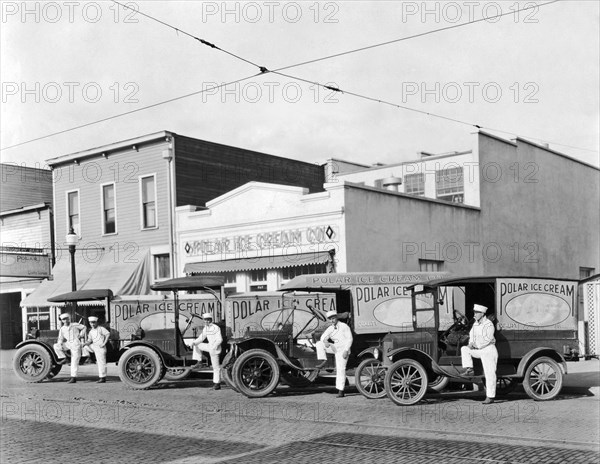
262,262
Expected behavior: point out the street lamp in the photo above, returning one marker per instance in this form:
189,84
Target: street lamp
72,242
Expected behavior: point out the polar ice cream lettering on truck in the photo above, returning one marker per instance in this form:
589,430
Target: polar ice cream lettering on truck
530,304
128,314
269,310
383,303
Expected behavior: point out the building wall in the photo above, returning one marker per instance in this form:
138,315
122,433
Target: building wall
539,209
388,231
30,229
24,186
205,170
123,168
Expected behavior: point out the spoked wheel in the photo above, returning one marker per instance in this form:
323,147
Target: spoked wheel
177,373
226,375
140,368
54,370
505,385
439,383
32,363
406,382
295,378
256,373
369,378
543,379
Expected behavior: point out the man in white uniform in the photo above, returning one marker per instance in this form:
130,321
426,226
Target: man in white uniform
96,344
69,338
482,344
336,339
212,333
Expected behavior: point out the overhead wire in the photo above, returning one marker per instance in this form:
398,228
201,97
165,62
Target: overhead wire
263,70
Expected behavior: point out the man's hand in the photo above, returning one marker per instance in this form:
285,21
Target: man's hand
326,344
471,346
345,354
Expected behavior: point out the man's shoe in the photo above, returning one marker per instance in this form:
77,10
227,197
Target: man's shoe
73,380
62,361
488,401
217,386
101,380
340,394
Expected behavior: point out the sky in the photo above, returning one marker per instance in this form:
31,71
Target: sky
532,74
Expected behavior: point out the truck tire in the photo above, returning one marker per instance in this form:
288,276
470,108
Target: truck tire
543,379
406,382
140,368
369,378
256,373
32,363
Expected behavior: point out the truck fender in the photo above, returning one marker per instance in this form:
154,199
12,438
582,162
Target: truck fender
536,353
412,353
46,346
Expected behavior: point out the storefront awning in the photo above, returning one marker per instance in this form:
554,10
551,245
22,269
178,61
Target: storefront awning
263,262
123,277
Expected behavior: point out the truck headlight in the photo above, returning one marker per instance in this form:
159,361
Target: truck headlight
376,353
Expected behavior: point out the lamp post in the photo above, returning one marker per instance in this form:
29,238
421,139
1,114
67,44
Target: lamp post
72,242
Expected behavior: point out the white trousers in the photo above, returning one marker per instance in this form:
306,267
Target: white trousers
75,348
100,352
340,363
214,359
489,360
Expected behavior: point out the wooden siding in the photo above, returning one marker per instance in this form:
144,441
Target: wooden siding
31,229
206,170
124,169
24,186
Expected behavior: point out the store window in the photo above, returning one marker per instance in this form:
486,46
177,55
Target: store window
148,197
73,211
230,282
109,217
38,319
450,185
414,184
430,265
258,280
162,267
288,273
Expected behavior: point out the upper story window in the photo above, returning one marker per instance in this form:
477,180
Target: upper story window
148,197
109,216
73,219
414,184
430,265
450,185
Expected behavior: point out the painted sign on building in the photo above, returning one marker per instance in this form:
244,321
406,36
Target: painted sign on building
25,265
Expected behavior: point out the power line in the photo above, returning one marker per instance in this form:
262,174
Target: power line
129,112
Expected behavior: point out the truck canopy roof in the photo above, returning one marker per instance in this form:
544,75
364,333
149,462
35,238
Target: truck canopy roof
480,280
82,295
190,283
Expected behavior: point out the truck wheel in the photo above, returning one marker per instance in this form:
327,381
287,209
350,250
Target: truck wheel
543,379
226,374
439,383
177,373
256,373
140,367
505,385
406,382
32,363
54,370
369,378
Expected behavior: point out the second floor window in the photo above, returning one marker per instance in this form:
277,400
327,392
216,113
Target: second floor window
258,280
414,184
450,185
73,211
148,202
162,267
109,218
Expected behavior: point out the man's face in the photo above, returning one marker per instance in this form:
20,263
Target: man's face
478,315
207,321
66,321
94,324
333,320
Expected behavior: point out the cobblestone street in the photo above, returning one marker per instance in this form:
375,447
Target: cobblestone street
187,422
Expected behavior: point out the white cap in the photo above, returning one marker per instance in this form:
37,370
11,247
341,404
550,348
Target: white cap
331,314
207,316
64,316
93,319
479,309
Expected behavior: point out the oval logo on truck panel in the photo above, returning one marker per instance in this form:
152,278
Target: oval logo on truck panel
538,310
396,312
